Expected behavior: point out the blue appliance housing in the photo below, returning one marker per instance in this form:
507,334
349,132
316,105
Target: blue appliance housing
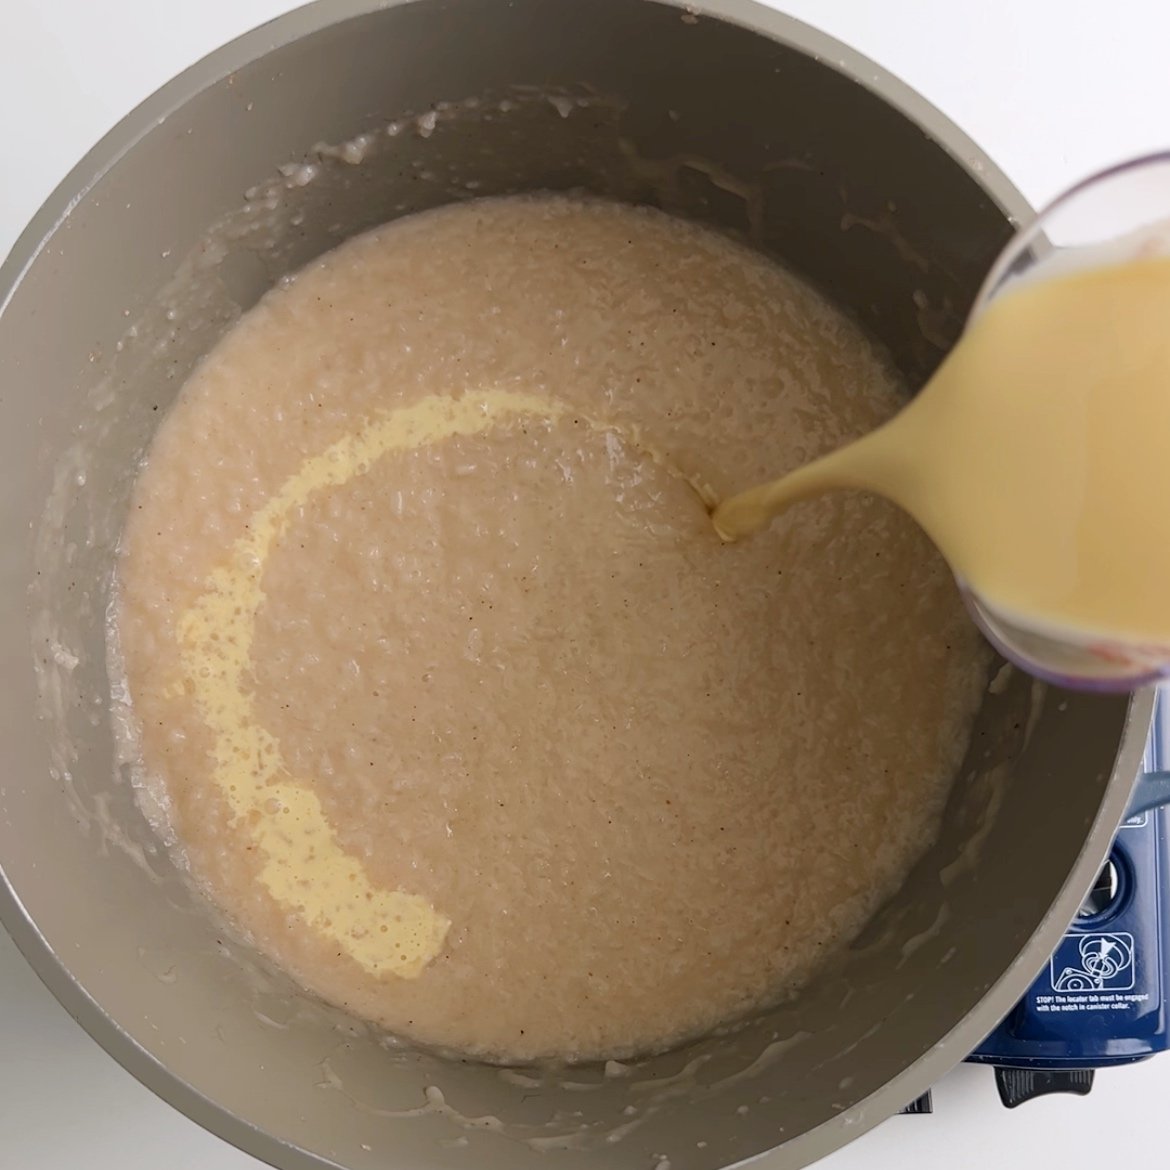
1101,1000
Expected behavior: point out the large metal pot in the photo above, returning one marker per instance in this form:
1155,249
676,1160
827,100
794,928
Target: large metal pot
724,111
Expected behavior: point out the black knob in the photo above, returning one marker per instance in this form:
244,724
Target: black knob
1017,1085
922,1104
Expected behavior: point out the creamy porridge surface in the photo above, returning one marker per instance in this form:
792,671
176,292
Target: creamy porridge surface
461,710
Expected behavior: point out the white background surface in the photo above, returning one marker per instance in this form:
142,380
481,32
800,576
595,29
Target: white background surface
1050,89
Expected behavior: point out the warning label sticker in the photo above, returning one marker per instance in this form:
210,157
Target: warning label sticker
1093,962
1092,973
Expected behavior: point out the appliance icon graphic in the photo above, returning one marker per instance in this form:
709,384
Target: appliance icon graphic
1093,962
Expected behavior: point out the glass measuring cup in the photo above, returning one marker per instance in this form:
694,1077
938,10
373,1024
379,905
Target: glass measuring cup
1117,215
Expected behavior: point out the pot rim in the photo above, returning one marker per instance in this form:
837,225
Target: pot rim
1000,997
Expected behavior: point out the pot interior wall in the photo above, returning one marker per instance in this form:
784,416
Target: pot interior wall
633,100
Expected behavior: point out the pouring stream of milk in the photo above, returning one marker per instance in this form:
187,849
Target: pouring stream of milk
1036,458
